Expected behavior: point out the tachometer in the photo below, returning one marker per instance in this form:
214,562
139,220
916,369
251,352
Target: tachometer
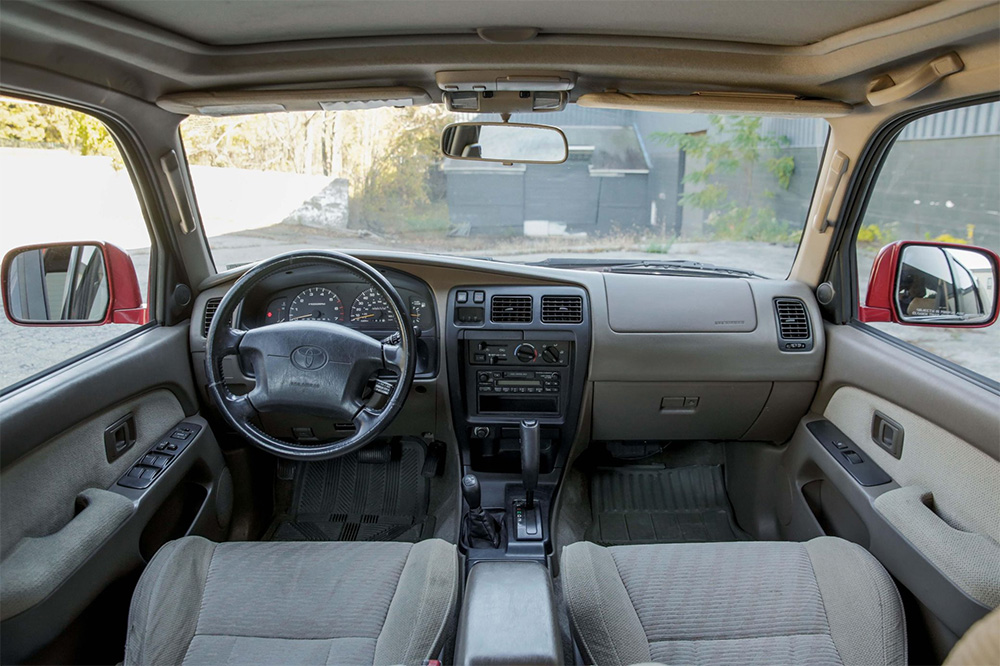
371,308
317,303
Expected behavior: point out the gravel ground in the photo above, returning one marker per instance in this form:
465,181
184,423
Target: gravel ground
30,350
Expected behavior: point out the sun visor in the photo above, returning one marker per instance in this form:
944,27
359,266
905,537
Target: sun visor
241,102
749,104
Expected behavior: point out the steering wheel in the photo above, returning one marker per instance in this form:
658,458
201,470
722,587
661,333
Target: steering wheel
314,367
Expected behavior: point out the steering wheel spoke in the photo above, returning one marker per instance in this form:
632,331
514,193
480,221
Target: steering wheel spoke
241,407
229,341
365,420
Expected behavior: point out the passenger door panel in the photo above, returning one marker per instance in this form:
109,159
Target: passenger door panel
934,524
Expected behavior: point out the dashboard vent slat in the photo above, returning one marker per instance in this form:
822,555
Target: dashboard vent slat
211,305
562,310
510,309
793,321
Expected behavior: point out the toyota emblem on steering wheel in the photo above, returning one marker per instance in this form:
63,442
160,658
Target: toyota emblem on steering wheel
308,357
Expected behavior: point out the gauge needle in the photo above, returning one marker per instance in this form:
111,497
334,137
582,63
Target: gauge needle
305,316
367,316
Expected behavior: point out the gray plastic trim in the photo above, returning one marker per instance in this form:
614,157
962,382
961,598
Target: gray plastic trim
670,304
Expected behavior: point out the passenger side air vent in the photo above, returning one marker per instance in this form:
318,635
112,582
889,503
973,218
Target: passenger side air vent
793,324
562,310
210,307
510,309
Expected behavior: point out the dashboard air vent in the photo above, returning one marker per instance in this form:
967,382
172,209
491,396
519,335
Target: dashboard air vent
510,309
210,307
793,322
562,310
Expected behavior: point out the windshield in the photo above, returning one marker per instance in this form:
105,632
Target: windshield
637,187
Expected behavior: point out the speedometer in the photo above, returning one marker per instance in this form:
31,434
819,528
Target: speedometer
371,308
317,303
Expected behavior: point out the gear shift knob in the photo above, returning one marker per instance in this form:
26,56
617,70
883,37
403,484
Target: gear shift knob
472,492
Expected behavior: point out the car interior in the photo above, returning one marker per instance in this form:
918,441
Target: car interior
358,453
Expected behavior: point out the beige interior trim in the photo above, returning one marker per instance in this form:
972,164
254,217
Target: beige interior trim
235,102
711,102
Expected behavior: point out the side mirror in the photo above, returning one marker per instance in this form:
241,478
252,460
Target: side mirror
932,284
71,284
509,143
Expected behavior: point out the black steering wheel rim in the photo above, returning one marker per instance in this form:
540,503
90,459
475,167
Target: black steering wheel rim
223,340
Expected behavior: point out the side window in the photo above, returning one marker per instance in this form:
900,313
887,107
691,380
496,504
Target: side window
940,182
63,181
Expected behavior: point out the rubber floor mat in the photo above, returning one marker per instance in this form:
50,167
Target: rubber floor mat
654,504
375,494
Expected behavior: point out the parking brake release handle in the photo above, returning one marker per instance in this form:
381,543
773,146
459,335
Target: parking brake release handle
529,460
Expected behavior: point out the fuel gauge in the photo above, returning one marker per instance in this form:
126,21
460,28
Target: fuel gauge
418,311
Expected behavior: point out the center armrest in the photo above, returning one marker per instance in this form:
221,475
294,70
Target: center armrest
508,616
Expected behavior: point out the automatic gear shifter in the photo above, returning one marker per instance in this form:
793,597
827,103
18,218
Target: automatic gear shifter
480,525
527,513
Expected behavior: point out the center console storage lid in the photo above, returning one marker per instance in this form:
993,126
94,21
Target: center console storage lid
508,616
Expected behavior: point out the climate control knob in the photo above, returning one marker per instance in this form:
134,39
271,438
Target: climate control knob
526,353
550,354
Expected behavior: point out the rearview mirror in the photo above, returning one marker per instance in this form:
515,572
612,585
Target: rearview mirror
71,284
933,284
509,143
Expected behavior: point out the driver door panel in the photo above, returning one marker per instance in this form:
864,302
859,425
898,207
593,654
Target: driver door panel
68,530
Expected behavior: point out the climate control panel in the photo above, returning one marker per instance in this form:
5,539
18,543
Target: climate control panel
521,352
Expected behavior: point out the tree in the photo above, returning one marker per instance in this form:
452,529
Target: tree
724,186
32,125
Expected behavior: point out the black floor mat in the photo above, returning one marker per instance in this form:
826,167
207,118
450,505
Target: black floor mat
376,494
654,504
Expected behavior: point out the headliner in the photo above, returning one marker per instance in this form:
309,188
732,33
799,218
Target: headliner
773,22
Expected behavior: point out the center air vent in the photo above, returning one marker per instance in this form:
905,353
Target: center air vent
210,307
510,309
562,310
793,324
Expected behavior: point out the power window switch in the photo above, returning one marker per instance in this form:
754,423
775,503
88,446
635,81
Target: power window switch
180,434
853,457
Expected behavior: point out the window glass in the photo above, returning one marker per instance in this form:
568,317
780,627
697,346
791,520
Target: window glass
62,179
940,181
725,190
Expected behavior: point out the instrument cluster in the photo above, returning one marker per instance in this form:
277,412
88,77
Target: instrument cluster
355,304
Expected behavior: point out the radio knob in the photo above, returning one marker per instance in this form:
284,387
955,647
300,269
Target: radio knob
526,353
550,354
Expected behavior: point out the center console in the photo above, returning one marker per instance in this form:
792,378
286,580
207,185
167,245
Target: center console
517,359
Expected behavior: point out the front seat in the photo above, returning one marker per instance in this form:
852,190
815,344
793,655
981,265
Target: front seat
826,601
199,602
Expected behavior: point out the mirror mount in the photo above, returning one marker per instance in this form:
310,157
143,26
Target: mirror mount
957,285
86,283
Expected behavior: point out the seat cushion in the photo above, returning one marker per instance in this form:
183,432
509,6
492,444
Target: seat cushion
199,602
826,601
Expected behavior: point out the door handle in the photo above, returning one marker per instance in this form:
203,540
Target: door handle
119,436
887,433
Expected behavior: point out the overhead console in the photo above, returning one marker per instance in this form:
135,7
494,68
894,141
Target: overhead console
516,353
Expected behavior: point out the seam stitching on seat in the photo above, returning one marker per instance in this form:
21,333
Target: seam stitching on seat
201,604
452,601
393,598
632,603
826,614
567,591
